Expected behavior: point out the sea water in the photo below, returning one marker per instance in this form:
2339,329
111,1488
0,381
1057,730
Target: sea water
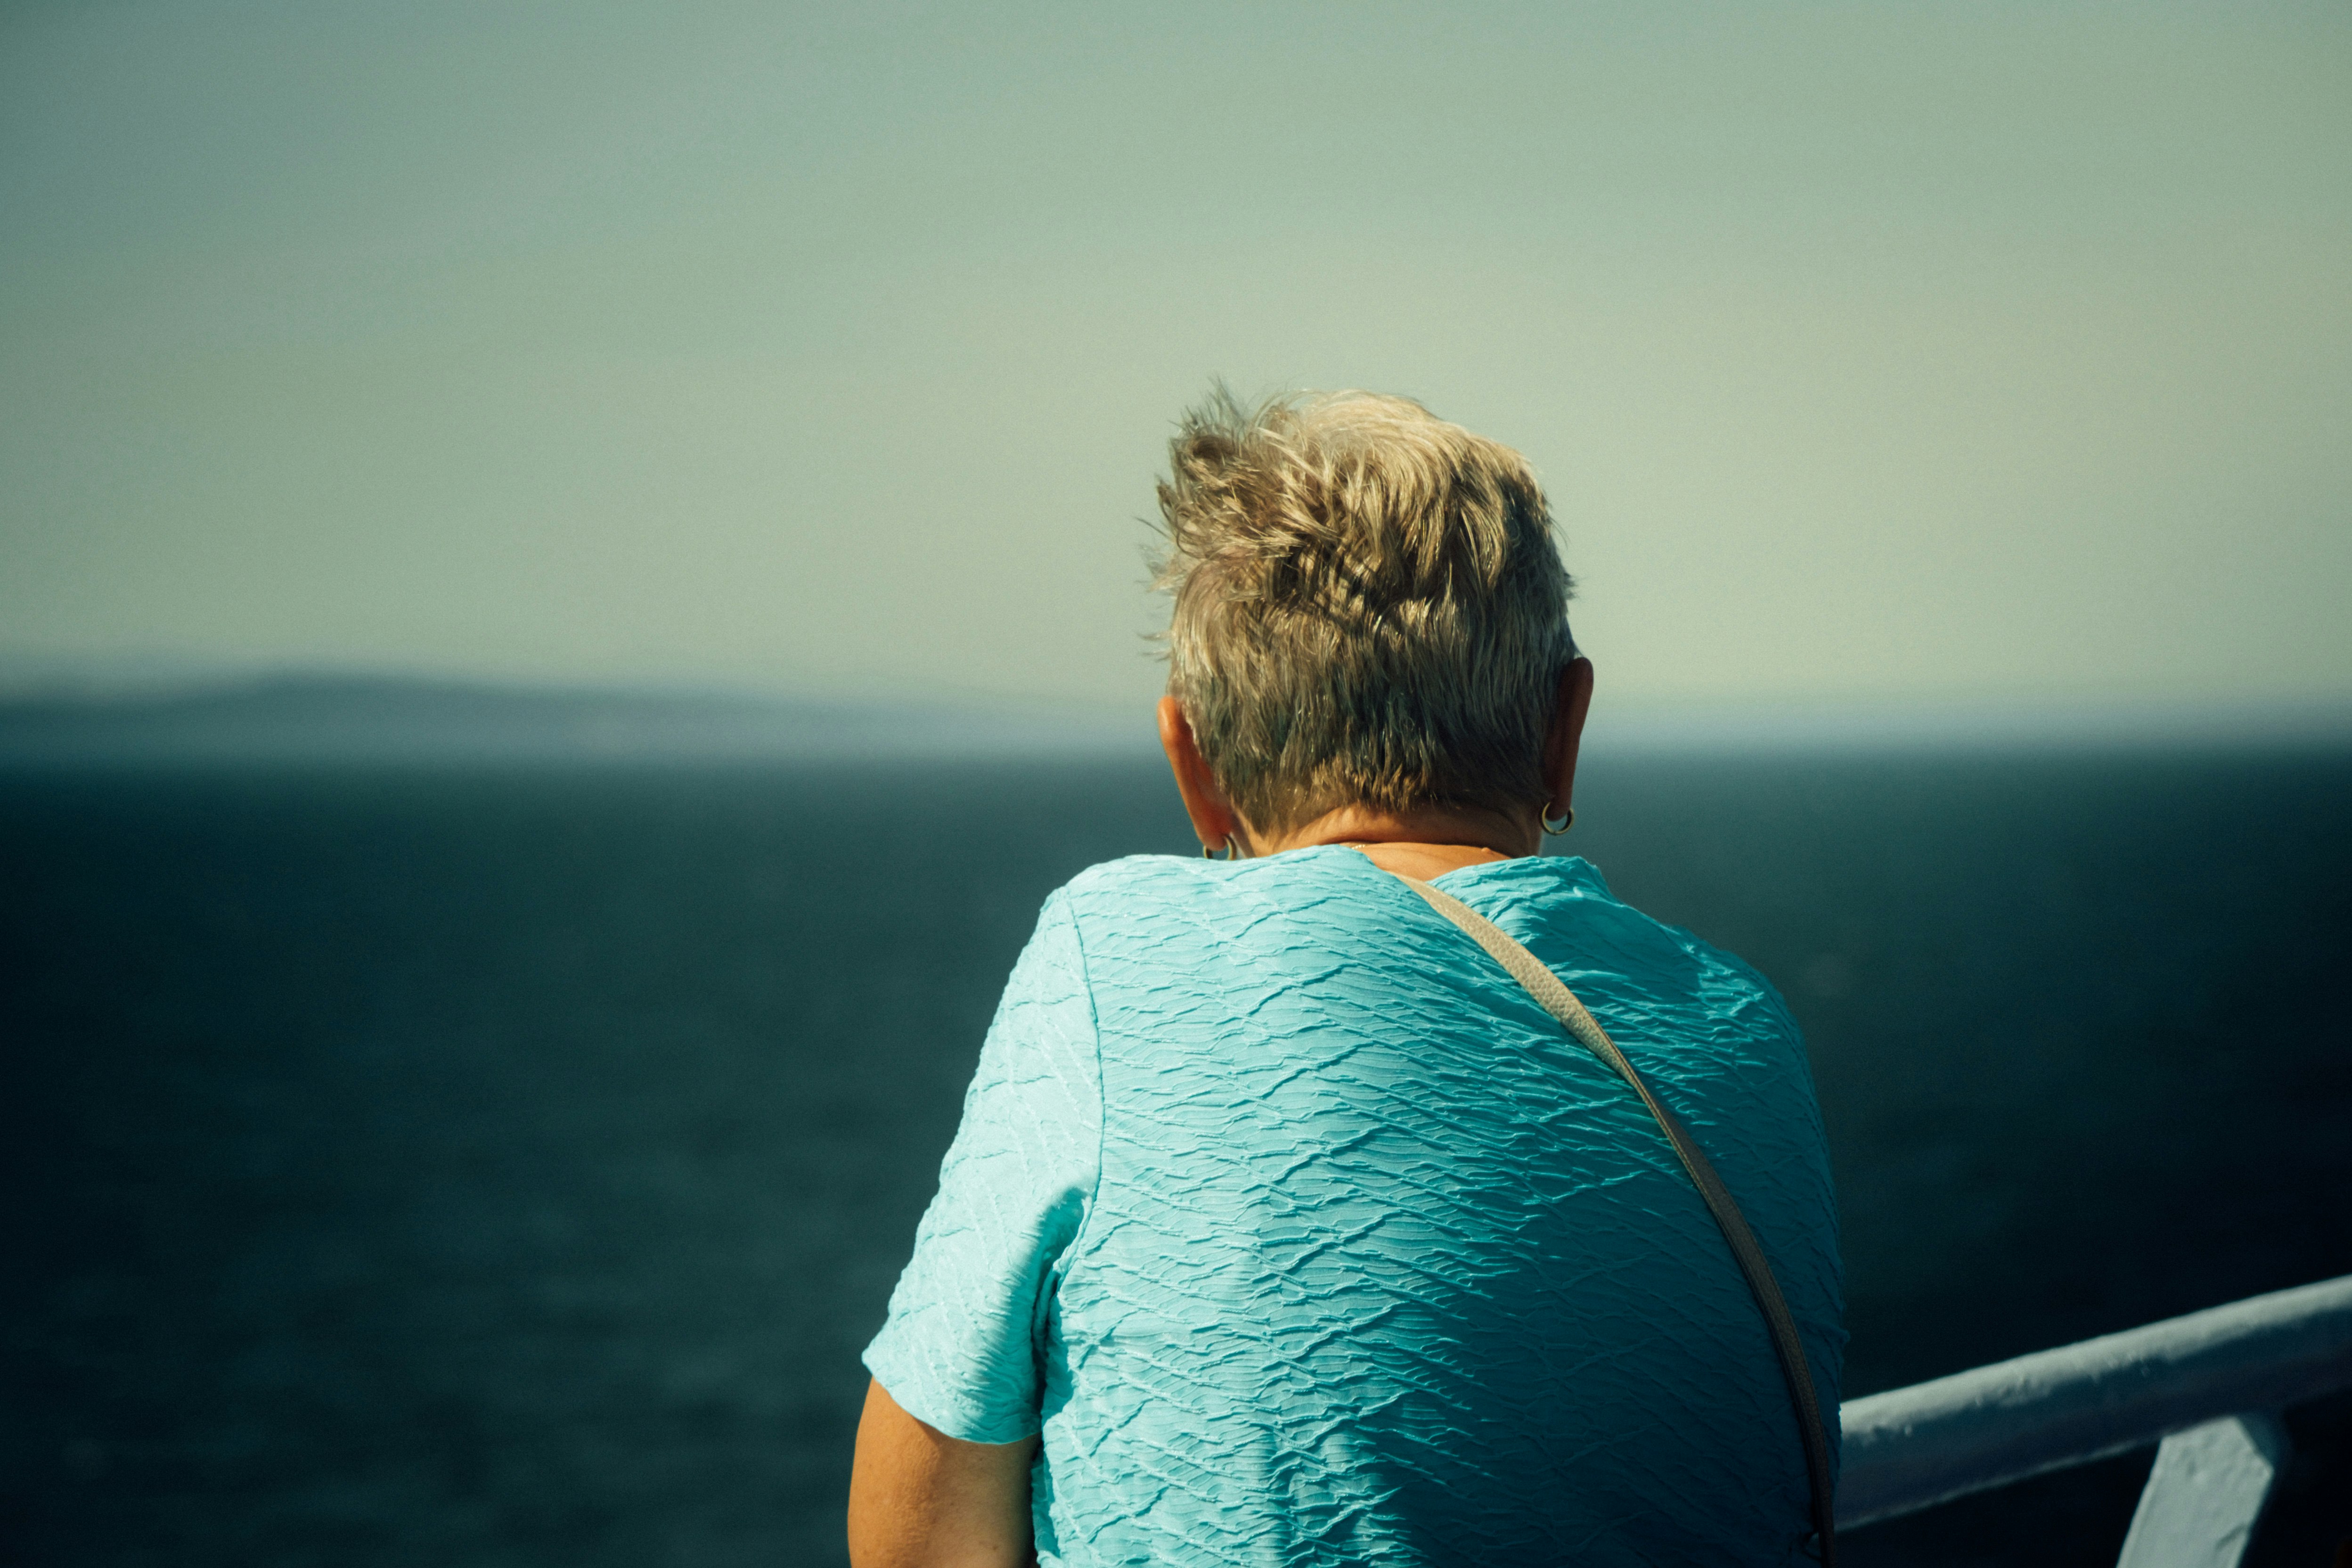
491,1167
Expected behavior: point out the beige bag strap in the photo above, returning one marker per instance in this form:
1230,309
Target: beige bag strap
1558,1000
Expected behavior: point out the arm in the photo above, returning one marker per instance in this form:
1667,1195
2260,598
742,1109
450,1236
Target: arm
970,1319
921,1499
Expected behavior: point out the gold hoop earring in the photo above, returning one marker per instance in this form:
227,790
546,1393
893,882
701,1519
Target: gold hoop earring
1567,821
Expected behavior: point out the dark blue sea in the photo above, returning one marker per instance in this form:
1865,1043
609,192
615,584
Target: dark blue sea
505,1166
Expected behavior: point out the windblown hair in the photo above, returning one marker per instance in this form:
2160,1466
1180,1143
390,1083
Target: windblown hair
1368,610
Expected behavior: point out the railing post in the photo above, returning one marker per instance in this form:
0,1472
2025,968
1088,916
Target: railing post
2206,1493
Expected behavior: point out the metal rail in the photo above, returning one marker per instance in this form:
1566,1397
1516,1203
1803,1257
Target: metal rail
2200,1387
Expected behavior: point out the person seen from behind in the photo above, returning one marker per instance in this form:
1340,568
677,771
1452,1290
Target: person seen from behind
1287,1224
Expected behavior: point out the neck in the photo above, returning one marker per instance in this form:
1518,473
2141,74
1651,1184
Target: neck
1419,844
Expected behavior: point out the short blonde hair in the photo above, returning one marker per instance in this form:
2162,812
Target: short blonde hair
1368,610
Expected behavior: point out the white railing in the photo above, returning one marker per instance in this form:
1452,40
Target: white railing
2204,1388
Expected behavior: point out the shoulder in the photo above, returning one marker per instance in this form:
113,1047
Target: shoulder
1563,909
1112,882
1142,894
1154,927
1115,895
1142,914
1252,904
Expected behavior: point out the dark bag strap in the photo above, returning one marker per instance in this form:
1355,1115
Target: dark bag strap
1558,1000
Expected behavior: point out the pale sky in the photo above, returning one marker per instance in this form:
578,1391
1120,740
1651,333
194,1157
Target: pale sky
1868,352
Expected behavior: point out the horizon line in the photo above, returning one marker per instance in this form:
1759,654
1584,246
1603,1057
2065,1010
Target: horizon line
293,711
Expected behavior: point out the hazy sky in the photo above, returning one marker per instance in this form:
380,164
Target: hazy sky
1879,351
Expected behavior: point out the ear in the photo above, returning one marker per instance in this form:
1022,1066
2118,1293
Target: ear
1570,702
1213,820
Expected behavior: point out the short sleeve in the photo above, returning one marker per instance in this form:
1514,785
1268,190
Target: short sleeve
963,1348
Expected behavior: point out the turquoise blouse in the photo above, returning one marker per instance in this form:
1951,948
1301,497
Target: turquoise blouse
1304,1236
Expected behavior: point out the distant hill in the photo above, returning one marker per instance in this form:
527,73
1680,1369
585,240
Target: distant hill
384,719
376,719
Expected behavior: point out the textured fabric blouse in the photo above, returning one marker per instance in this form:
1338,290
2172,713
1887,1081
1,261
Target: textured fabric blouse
1304,1236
